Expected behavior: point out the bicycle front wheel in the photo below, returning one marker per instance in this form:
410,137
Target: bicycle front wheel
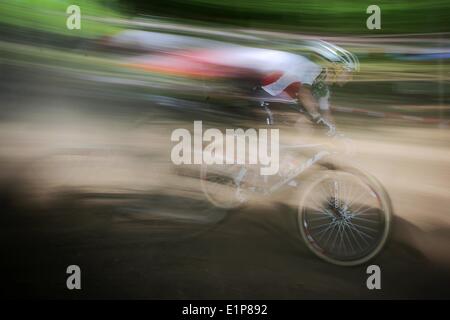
345,217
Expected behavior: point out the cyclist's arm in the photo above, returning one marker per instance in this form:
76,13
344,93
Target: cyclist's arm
307,100
324,106
327,116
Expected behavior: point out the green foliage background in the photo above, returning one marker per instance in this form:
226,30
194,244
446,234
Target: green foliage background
50,15
331,16
306,16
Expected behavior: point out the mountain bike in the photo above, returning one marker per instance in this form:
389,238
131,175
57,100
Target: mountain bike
343,213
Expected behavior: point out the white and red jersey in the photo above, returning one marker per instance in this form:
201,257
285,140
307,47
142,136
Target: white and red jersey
280,72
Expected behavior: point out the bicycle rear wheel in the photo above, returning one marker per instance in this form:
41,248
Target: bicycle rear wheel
222,185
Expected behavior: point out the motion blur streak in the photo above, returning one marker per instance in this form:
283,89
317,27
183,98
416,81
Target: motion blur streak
85,123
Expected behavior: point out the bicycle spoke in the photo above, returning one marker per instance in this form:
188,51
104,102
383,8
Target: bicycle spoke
355,214
318,205
323,232
353,235
341,242
319,219
361,233
326,195
318,226
366,220
357,199
366,228
348,239
331,233
348,194
360,206
336,237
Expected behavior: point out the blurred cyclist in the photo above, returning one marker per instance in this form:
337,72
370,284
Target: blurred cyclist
308,82
278,74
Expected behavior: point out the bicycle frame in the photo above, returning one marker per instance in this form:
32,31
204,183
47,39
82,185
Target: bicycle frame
301,168
296,172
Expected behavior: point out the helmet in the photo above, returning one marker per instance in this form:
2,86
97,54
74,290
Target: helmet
337,56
